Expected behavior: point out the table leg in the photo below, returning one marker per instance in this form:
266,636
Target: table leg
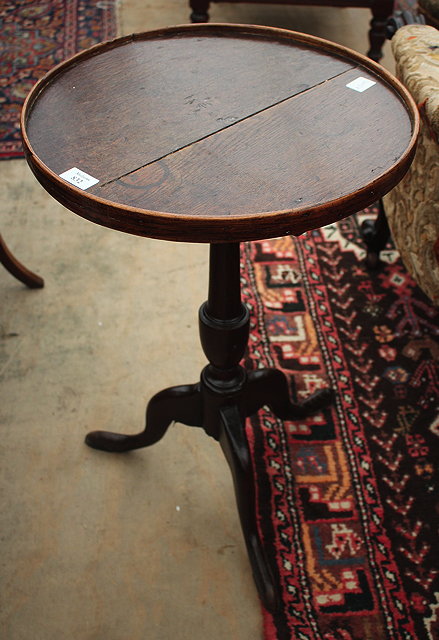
375,234
176,404
226,395
270,387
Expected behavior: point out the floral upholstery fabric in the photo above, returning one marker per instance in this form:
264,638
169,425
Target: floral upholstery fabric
412,208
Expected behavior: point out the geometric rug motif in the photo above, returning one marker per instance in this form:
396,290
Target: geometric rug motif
35,37
347,498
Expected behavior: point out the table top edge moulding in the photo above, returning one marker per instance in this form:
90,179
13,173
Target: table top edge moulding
164,224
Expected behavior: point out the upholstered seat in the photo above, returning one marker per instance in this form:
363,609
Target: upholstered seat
412,208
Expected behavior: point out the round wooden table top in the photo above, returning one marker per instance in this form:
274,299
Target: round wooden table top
218,133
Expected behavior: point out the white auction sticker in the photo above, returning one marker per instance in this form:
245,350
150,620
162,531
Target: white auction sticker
78,178
360,84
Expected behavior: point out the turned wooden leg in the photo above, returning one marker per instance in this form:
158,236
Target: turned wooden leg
18,270
381,12
375,234
176,404
200,10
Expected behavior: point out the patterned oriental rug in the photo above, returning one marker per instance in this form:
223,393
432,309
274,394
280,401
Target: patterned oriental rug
35,37
348,498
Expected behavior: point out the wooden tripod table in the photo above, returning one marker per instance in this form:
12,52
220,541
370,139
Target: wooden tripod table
219,134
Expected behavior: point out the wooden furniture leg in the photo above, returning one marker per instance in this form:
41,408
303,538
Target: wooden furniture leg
381,12
226,395
17,269
375,234
200,10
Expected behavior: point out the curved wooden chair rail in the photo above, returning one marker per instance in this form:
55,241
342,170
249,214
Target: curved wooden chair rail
17,269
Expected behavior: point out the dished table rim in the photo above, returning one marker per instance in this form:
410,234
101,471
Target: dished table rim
195,228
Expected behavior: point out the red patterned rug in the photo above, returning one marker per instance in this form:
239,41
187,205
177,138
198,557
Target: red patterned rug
36,35
349,497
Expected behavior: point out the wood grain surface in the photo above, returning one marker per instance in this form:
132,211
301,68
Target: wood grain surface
219,133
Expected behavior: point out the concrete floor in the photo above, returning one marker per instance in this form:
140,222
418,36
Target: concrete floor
141,546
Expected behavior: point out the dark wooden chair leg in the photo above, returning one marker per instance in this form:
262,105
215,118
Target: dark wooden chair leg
375,234
18,270
200,10
381,12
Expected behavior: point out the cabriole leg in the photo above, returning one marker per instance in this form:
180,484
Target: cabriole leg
176,404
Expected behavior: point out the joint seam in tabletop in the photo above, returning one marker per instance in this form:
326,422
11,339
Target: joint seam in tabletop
232,124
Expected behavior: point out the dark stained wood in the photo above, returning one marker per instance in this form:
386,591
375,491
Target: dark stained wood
375,234
381,12
17,269
150,97
271,162
193,126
